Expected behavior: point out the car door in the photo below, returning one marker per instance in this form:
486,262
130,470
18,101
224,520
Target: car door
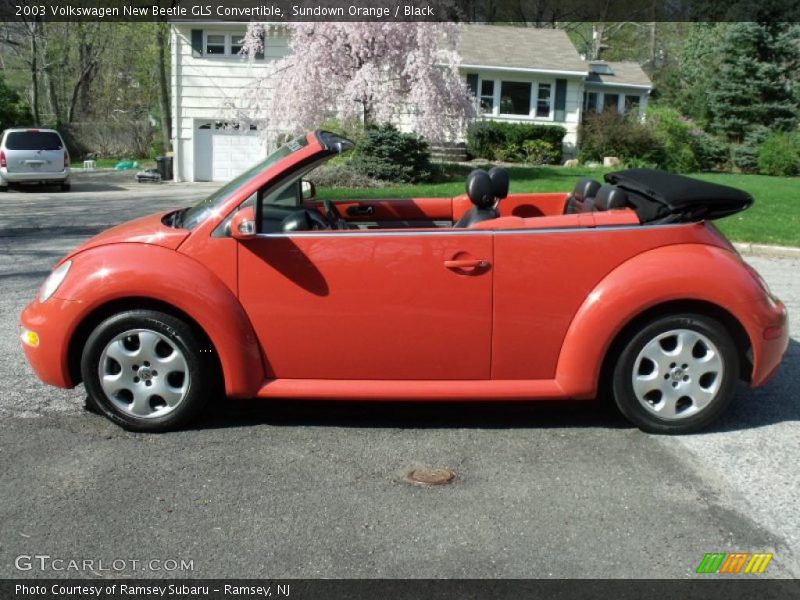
391,304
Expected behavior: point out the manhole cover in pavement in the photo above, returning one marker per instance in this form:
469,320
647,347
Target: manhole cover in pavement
430,476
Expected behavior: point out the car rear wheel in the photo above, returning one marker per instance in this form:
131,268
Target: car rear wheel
145,370
676,374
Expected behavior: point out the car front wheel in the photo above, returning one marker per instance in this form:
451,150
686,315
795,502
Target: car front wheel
145,370
676,374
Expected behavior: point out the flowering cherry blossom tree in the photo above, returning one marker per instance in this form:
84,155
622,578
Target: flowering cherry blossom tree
362,72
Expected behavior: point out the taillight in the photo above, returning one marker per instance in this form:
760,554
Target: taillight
2,159
66,159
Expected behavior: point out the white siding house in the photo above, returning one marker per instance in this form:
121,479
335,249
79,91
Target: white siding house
525,75
622,86
208,76
517,74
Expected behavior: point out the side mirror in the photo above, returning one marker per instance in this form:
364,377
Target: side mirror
243,224
307,190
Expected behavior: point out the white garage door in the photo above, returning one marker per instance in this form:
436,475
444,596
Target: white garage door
222,154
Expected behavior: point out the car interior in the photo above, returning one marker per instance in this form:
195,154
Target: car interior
293,207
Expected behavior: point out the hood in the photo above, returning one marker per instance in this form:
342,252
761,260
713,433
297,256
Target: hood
145,230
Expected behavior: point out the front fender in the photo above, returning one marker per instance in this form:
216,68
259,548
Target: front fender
694,272
114,272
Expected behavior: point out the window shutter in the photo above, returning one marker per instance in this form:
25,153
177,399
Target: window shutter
472,83
561,100
197,42
260,54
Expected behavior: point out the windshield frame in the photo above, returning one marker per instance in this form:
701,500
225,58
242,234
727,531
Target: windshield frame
317,144
193,216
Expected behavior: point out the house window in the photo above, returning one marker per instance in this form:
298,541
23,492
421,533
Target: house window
223,44
543,101
515,98
590,102
632,104
237,40
611,102
487,96
215,44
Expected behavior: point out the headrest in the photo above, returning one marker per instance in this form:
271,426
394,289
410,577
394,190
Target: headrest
499,177
609,197
479,189
586,188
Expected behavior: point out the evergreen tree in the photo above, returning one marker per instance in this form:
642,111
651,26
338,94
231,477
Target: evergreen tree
754,88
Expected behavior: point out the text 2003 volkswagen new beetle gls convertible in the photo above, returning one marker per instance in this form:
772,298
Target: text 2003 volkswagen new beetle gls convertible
626,287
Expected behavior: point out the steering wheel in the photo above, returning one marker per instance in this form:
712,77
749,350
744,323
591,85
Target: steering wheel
334,217
314,220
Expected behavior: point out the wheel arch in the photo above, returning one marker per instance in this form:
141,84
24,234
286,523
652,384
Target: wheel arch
701,307
109,279
711,281
100,313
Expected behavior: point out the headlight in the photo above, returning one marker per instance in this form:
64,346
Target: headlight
55,279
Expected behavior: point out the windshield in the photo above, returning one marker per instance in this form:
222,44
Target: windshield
200,211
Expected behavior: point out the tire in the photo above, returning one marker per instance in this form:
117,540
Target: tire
676,374
146,371
65,187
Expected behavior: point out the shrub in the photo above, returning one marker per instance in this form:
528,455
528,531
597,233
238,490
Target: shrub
507,153
343,175
676,134
780,154
745,156
387,154
539,152
610,134
486,138
711,152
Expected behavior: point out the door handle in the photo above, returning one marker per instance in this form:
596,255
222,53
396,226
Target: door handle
470,263
358,211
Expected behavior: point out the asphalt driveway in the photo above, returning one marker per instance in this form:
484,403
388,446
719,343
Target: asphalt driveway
282,489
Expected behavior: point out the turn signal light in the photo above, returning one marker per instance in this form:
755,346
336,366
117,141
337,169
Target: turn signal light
30,338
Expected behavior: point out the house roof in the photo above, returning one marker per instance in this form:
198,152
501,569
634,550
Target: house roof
519,48
624,73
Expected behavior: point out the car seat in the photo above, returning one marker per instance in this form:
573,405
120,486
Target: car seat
610,197
481,193
582,197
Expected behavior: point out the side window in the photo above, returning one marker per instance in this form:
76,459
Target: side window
286,195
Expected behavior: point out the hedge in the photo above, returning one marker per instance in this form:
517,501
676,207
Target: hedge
487,139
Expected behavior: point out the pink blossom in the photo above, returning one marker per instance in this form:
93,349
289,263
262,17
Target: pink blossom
398,72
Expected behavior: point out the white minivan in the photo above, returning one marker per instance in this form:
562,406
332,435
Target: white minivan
33,156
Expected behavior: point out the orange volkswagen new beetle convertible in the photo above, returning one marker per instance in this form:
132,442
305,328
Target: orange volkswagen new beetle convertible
266,291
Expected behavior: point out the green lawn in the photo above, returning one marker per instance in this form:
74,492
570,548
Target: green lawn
773,219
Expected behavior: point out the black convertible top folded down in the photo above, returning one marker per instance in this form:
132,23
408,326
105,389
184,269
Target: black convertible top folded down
660,195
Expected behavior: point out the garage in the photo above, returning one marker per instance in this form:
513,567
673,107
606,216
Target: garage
222,152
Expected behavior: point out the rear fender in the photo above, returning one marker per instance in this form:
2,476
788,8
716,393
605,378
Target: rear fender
681,272
109,273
